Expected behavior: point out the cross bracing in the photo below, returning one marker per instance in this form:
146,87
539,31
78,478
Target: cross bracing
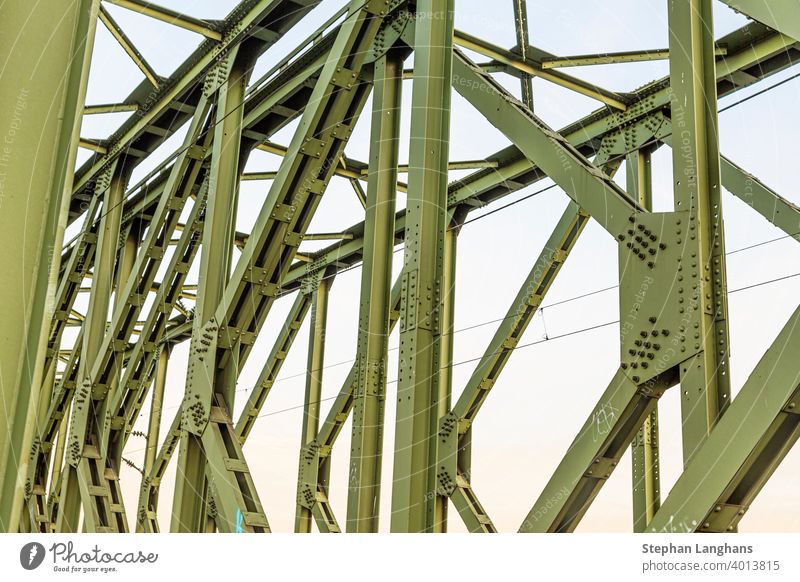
162,268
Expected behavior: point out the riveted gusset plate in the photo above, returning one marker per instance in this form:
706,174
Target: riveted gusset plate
659,293
197,402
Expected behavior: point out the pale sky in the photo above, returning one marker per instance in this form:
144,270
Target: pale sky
546,391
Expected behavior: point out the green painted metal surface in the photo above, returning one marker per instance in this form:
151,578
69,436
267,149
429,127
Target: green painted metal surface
72,402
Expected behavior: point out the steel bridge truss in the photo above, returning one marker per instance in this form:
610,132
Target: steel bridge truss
76,410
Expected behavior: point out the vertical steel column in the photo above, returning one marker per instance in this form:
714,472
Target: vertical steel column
521,28
189,506
363,499
94,330
448,291
639,177
314,369
42,91
153,430
35,512
156,407
413,494
58,452
127,259
646,476
87,427
127,262
705,378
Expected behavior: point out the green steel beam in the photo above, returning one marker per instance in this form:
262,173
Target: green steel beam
594,191
418,389
359,192
230,82
76,266
646,477
777,210
363,501
343,404
328,236
151,441
133,395
312,402
645,473
705,379
748,48
458,165
358,170
745,448
46,513
48,65
249,295
530,67
40,504
509,173
469,508
170,17
614,58
594,453
281,101
445,396
781,15
35,511
95,145
129,48
147,519
523,34
521,312
110,108
639,177
272,367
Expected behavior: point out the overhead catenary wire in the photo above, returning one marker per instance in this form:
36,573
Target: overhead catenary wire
550,338
477,358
